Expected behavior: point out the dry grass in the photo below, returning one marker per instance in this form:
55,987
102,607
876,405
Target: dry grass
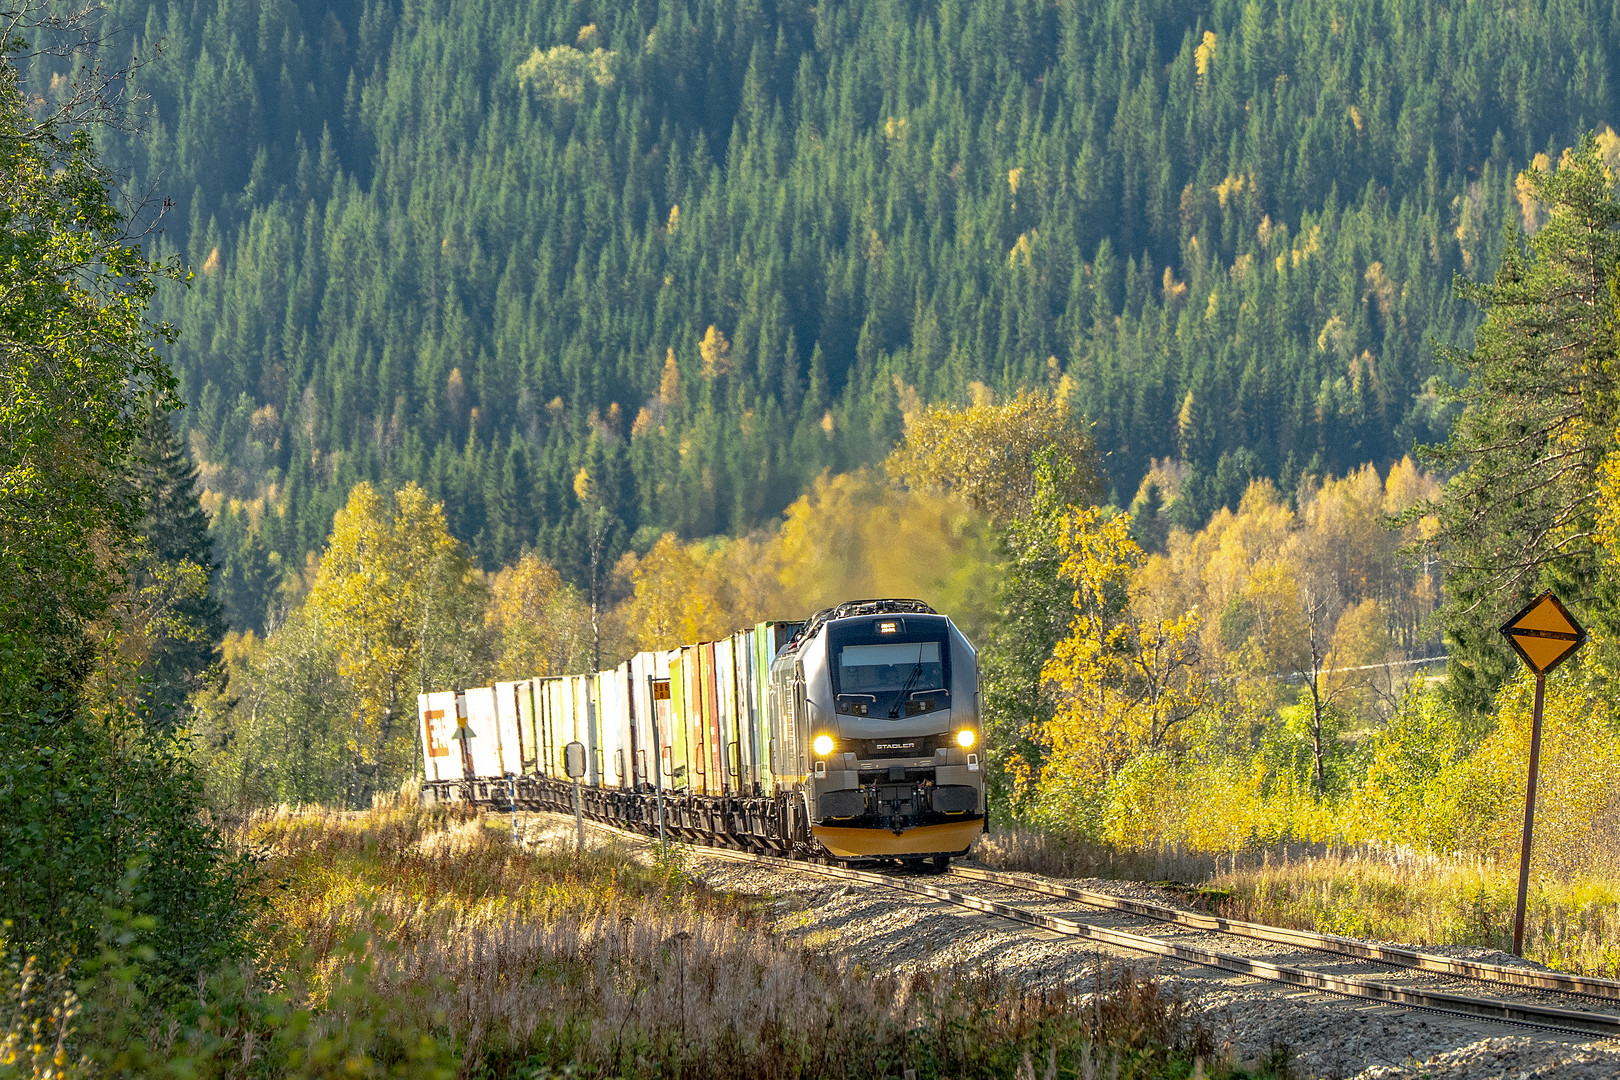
421,878
1572,921
1038,851
531,962
1571,924
425,943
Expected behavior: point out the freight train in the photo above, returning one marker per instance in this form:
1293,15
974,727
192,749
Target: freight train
854,737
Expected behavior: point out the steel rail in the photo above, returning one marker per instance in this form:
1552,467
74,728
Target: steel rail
1605,989
1549,1018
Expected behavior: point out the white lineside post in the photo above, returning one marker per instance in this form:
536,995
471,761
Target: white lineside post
658,767
658,778
574,764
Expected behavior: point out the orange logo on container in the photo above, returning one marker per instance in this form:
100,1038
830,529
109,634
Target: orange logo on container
438,741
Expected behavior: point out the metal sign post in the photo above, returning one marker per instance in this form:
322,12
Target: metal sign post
659,691
1544,635
579,820
574,765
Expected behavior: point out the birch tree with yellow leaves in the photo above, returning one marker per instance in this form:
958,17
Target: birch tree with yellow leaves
850,535
682,593
1020,466
986,453
1128,675
854,535
540,625
404,603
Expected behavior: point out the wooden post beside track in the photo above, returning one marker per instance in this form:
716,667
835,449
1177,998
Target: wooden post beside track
1544,635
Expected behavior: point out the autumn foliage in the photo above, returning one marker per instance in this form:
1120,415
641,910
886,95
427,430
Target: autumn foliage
986,452
321,709
1263,647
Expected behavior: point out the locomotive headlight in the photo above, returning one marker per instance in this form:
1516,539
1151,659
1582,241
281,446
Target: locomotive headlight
966,738
823,745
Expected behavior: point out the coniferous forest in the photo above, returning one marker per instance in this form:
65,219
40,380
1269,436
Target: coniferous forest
698,251
1227,371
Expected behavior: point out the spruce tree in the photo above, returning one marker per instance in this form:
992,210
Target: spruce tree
1036,607
1538,415
174,573
1052,199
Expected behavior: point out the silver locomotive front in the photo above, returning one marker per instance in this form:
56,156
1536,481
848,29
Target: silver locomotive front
890,694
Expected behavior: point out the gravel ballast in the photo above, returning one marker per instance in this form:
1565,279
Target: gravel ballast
1329,1037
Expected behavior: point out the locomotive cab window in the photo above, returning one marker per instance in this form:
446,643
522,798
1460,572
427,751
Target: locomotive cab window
881,673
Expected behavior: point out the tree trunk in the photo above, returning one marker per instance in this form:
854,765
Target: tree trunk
1317,709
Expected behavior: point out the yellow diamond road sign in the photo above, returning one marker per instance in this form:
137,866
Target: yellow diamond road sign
1544,634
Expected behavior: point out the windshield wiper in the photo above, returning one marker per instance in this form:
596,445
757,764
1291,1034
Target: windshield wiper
916,673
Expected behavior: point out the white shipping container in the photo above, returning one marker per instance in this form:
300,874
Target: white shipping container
506,716
611,712
484,729
436,719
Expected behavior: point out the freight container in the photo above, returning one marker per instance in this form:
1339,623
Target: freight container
483,731
441,750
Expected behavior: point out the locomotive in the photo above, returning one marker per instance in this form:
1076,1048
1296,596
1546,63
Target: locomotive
853,736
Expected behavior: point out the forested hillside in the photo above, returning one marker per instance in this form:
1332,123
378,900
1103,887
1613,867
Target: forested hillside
590,269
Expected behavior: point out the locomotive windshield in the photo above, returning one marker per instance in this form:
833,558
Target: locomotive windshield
884,669
889,668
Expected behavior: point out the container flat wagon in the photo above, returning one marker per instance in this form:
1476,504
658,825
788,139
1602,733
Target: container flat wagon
853,736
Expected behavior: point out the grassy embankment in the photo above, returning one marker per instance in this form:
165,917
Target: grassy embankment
404,942
1572,922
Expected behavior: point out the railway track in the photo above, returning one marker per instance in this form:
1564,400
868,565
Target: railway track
1386,955
1531,1014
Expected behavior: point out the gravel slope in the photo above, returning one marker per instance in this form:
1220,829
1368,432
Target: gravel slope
1331,1038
